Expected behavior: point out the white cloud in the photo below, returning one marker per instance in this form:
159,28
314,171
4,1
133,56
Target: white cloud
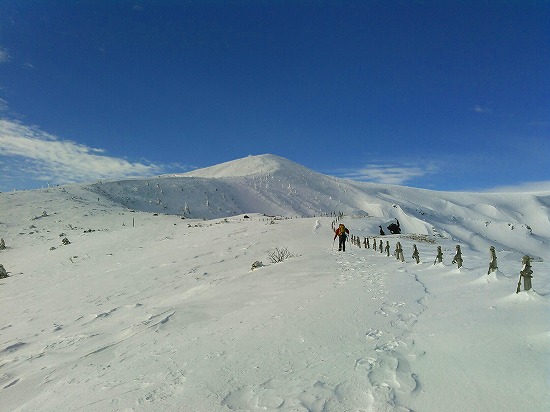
4,55
543,186
388,174
39,156
480,109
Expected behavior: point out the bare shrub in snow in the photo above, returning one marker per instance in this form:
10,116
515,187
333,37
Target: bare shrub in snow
279,255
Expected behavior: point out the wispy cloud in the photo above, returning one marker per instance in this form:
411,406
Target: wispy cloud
481,109
30,154
388,173
543,186
4,55
541,124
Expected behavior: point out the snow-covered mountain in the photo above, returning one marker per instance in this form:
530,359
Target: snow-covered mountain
151,303
273,185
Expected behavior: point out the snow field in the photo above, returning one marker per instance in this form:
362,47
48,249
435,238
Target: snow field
167,316
145,313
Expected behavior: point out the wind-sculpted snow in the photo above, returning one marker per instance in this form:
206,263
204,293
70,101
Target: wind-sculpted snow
145,312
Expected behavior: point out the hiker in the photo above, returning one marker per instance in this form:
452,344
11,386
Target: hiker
381,230
342,233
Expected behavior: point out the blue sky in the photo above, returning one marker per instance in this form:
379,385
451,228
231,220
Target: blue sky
444,95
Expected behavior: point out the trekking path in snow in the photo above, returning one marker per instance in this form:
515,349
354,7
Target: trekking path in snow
351,347
353,341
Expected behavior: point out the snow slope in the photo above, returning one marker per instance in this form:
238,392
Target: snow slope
275,186
150,312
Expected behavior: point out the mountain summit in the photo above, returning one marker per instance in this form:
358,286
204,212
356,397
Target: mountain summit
248,166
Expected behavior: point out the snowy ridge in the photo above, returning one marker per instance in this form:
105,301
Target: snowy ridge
146,312
272,185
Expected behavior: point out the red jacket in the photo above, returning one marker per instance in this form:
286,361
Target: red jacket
337,232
